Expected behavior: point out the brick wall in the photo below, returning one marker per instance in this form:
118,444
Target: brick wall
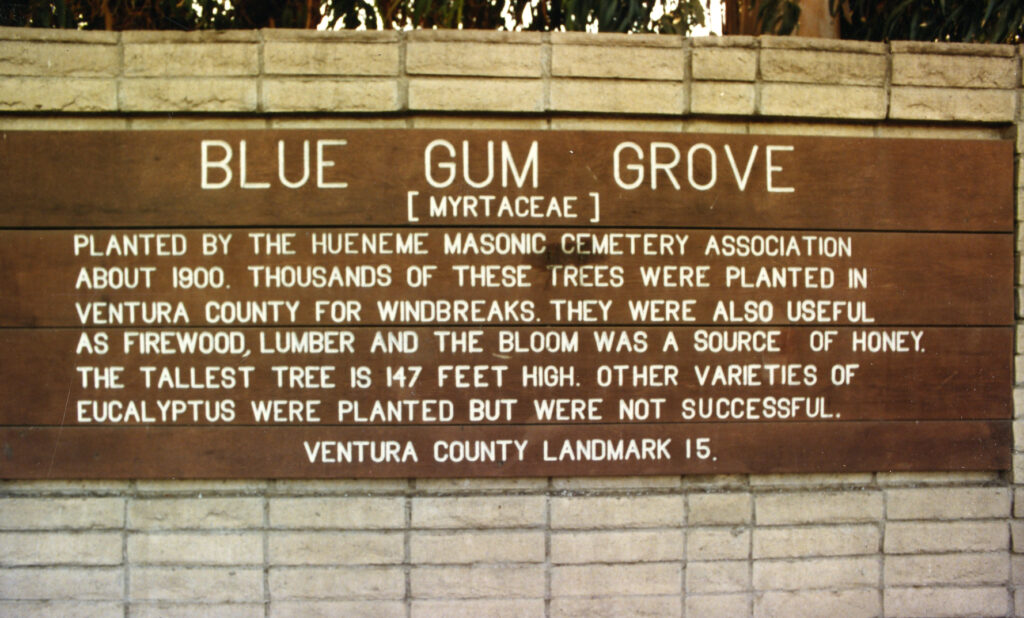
927,544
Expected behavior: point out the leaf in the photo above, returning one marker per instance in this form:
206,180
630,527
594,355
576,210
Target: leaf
998,35
988,11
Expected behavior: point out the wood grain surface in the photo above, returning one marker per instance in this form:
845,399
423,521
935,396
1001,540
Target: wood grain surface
875,333
281,452
932,279
153,178
959,373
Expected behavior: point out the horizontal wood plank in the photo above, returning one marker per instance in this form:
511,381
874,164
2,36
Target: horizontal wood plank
932,279
285,452
153,178
938,373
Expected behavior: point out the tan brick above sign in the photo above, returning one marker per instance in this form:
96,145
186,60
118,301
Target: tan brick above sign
69,95
724,63
330,58
648,63
472,58
822,67
914,103
58,59
572,73
172,59
813,100
954,71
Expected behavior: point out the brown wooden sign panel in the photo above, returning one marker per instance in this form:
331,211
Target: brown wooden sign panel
454,303
522,375
157,178
304,452
681,276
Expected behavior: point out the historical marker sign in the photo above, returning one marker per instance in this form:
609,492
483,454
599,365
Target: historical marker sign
456,303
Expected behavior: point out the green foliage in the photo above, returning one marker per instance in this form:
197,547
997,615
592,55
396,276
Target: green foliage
976,21
969,21
117,14
670,16
778,16
609,15
687,15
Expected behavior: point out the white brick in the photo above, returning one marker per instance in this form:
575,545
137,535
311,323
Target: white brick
348,609
650,63
61,609
818,101
57,59
821,479
473,608
576,483
55,548
818,507
170,609
31,94
714,577
617,579
472,582
324,548
473,485
62,583
196,548
722,98
616,511
713,509
957,569
733,64
948,503
472,58
818,573
714,482
182,94
466,546
951,602
319,95
348,512
186,513
618,96
327,58
350,583
822,67
172,59
376,487
627,546
478,512
66,513
476,94
910,538
198,585
717,544
615,607
953,104
815,541
204,488
956,71
718,605
845,603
